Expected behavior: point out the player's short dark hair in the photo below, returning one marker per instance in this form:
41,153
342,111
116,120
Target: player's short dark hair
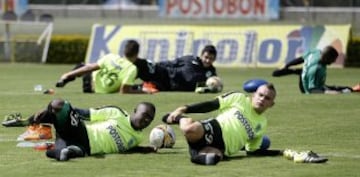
271,87
131,49
330,51
210,49
150,105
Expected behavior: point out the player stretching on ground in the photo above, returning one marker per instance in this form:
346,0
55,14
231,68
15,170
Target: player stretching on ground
181,74
239,125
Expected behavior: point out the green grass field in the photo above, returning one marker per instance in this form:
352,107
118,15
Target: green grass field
327,124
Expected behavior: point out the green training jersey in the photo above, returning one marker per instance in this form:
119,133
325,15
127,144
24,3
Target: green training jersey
110,131
241,126
113,73
314,74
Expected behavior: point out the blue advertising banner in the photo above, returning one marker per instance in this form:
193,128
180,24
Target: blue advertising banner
239,46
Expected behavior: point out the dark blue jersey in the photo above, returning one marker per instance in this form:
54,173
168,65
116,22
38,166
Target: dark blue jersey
185,72
181,74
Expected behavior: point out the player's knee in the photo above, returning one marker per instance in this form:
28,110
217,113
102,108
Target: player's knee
265,144
192,130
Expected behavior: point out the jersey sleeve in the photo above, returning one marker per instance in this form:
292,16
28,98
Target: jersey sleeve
106,113
228,99
130,77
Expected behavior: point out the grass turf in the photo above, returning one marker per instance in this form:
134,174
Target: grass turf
327,124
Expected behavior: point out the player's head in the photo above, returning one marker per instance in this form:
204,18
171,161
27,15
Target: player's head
143,115
61,109
329,55
131,49
208,55
263,98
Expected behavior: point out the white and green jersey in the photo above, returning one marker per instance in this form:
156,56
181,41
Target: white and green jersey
314,74
113,73
110,131
241,126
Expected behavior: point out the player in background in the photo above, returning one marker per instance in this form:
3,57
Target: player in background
239,125
181,74
110,74
110,129
312,76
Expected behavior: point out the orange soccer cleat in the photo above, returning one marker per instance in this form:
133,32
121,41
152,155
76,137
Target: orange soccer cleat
44,146
149,87
36,132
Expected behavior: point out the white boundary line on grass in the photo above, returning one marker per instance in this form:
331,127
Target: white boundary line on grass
341,155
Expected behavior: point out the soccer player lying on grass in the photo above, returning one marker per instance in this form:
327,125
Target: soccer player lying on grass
239,125
312,76
181,74
110,74
110,130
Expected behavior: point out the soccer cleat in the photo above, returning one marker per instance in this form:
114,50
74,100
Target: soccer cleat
44,146
36,132
13,120
149,87
309,157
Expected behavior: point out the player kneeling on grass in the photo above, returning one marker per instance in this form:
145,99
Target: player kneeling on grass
240,125
102,135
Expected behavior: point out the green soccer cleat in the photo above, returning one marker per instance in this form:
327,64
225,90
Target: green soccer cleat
14,120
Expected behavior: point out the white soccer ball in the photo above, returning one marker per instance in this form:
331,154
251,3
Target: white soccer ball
215,84
162,136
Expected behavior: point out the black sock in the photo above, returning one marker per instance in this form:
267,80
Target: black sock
206,159
51,153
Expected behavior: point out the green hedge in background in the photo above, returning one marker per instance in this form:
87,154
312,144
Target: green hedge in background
67,49
71,49
353,53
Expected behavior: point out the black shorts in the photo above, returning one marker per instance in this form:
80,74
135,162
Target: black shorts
73,132
212,137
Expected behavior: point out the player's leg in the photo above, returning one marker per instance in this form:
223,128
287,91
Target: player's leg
301,88
59,144
69,125
209,148
342,89
286,71
64,152
87,83
192,130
